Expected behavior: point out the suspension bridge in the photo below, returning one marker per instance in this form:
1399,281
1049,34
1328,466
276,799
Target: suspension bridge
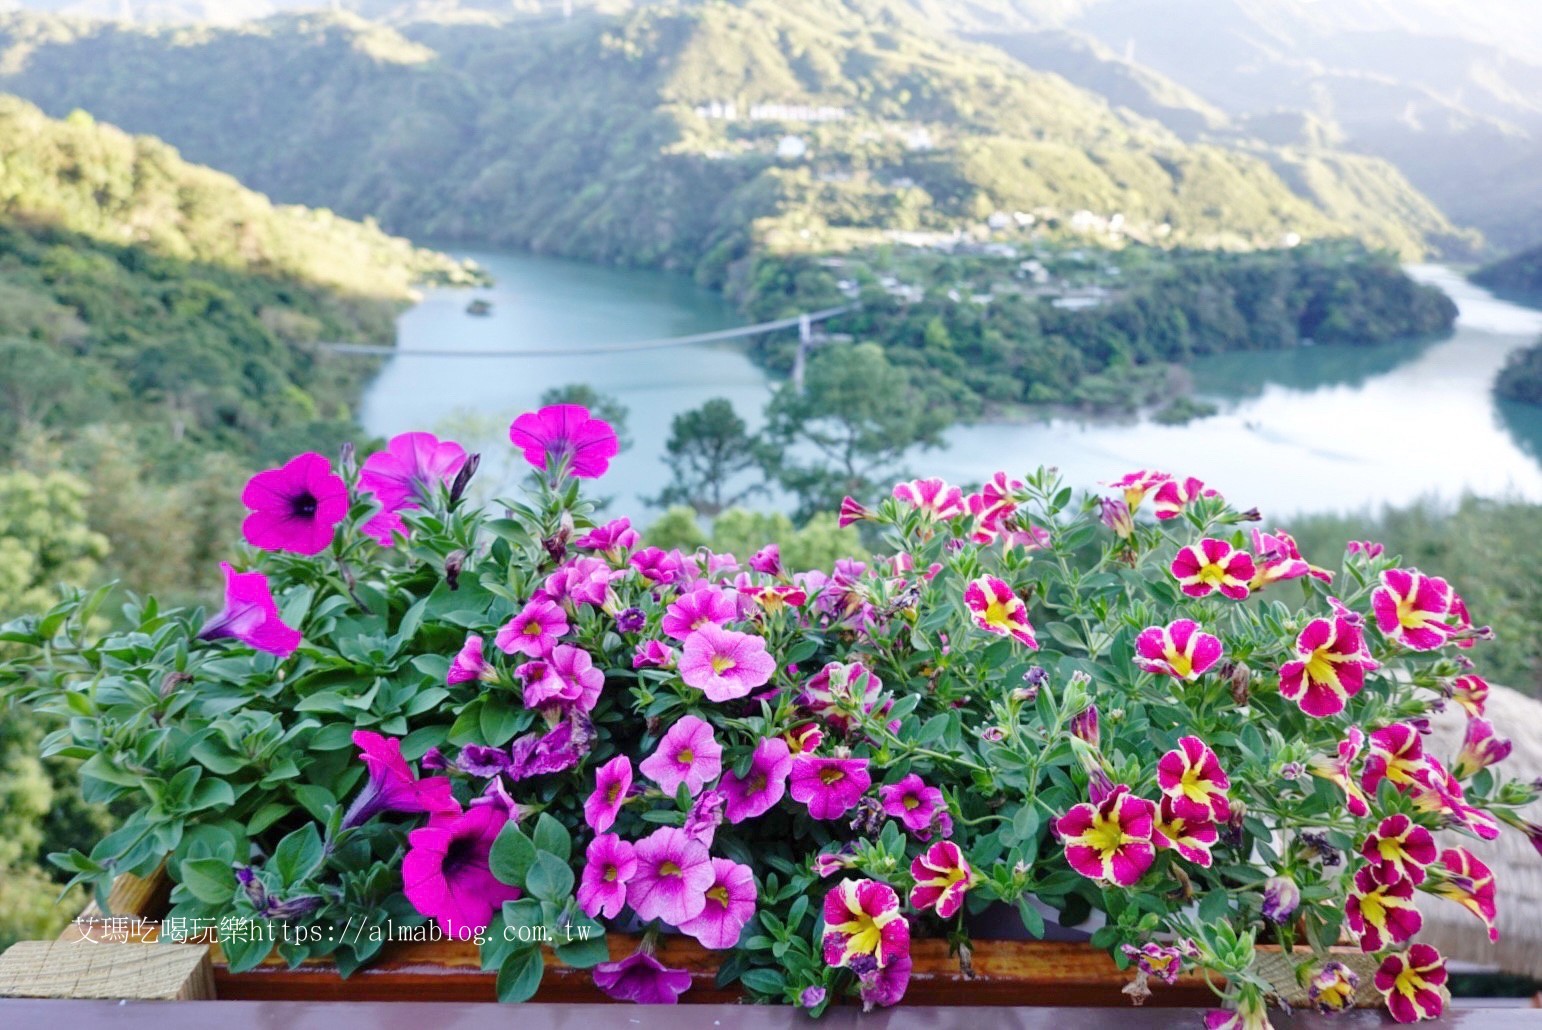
804,321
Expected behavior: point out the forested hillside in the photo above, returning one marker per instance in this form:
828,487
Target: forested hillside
685,135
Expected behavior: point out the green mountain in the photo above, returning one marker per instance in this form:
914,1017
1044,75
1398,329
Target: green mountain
1518,275
690,134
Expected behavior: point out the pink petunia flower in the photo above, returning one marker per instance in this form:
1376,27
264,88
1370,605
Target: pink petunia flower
1110,841
913,803
996,609
581,581
762,786
615,537
653,654
250,616
411,468
934,498
1331,666
942,877
384,527
851,513
1174,495
688,754
1211,565
1414,983
767,560
643,979
725,664
1178,649
534,631
469,664
392,786
1369,548
658,566
609,863
672,876
1191,775
1481,748
567,678
707,606
296,507
1279,559
564,437
1191,838
612,784
1399,849
864,928
1381,914
1411,608
730,906
446,873
1462,877
830,787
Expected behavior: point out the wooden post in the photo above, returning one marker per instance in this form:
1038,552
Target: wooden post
87,969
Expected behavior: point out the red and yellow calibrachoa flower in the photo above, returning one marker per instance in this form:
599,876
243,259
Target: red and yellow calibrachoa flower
1278,559
1462,877
935,498
1481,748
1397,754
1331,666
1399,849
1192,778
1136,485
1381,914
1211,565
1414,983
1178,649
1332,987
864,928
1110,840
1411,608
1471,692
1338,769
1191,838
1173,495
1440,792
996,609
943,877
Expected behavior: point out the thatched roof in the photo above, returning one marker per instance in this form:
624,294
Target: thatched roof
1517,866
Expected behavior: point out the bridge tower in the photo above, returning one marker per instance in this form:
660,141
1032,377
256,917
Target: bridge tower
805,341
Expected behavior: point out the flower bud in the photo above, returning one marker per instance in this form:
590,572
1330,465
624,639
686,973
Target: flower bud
1281,897
468,468
1084,725
454,562
1481,748
347,461
1116,515
811,997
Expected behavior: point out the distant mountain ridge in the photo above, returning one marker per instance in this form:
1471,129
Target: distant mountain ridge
596,136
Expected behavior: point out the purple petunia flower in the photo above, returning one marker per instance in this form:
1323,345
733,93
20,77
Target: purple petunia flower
724,664
705,816
829,786
250,615
688,754
446,873
612,783
392,786
672,877
730,905
762,786
557,750
296,507
566,678
642,978
609,864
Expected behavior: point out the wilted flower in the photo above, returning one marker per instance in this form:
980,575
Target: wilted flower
1110,841
1160,961
1211,565
996,609
1369,548
1281,898
643,979
1332,987
1178,649
1250,1014
1084,726
563,436
653,654
250,616
567,677
811,997
838,689
767,560
296,507
1414,983
1481,748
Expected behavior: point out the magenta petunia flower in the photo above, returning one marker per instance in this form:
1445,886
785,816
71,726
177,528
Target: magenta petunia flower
864,928
934,498
411,468
725,664
1339,771
1192,776
1112,840
643,979
392,786
534,630
730,906
706,606
996,609
446,874
1178,649
1211,565
581,581
830,787
943,877
616,536
384,527
1414,984
658,566
1397,754
612,784
1279,559
672,877
767,560
688,754
851,513
1331,666
1411,608
1441,793
705,816
250,615
653,654
1191,838
564,437
567,677
470,664
609,864
1399,849
295,508
762,786
1382,914
886,985
913,803
1136,485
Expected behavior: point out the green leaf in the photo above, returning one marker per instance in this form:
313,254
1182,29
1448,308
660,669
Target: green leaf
299,854
583,954
210,880
1033,922
512,856
520,975
765,981
549,878
552,837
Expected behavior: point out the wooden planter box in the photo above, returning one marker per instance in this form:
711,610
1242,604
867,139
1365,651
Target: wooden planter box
1037,973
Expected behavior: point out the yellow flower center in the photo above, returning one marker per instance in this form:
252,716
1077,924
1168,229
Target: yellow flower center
998,613
1105,835
1410,617
685,756
1194,786
719,894
864,932
667,868
721,664
532,628
1182,664
831,775
1212,574
911,802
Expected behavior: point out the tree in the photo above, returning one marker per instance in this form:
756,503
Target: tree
850,427
708,449
44,539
